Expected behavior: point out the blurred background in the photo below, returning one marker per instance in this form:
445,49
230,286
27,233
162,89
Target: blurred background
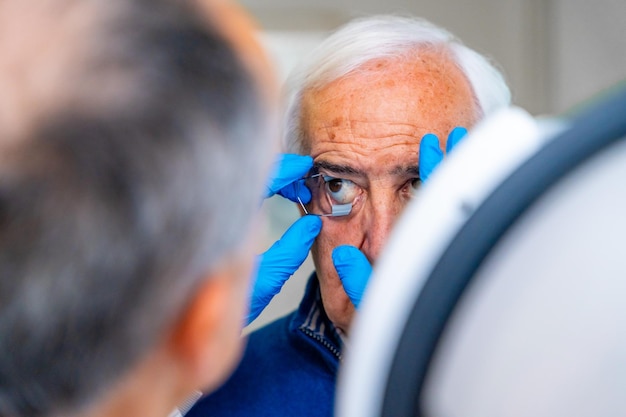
555,54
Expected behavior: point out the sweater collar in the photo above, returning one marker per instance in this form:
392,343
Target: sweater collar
311,319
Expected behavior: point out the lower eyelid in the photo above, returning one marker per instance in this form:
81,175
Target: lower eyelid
409,183
358,199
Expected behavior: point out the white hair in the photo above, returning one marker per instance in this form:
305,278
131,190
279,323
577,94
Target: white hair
385,36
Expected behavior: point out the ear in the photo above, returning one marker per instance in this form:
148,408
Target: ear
207,338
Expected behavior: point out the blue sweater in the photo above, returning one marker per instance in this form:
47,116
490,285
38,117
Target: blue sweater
288,368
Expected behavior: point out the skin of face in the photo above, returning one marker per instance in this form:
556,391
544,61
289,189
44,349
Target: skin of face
366,127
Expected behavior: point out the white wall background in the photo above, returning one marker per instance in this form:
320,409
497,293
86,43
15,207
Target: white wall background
554,53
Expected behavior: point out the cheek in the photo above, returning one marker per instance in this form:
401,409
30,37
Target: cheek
323,245
335,232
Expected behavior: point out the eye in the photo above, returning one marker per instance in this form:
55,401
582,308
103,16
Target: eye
341,190
413,185
416,183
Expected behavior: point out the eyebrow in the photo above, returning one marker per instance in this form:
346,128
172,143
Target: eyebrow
338,169
412,170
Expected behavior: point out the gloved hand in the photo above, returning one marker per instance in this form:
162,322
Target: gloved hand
280,261
285,256
431,154
351,264
286,171
354,271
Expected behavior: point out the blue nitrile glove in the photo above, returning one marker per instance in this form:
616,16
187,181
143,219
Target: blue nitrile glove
430,153
354,271
280,261
352,266
286,171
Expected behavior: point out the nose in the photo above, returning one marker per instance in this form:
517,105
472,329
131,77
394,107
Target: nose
380,214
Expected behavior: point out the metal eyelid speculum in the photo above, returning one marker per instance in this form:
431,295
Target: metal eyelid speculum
337,210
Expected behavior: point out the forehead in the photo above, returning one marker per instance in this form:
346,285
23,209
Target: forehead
381,111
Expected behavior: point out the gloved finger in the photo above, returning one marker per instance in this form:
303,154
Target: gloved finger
354,271
280,261
430,155
294,190
455,137
287,169
287,254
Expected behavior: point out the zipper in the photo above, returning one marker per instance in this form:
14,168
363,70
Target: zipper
323,341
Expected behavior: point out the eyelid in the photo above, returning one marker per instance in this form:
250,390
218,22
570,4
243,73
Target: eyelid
324,173
329,177
337,168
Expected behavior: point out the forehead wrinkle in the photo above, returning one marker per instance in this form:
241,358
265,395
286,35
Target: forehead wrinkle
386,129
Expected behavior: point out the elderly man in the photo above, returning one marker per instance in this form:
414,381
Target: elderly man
360,108
125,251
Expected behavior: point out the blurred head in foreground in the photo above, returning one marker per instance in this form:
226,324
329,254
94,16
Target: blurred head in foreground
125,249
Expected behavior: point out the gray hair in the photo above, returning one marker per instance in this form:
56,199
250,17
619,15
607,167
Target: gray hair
385,36
112,214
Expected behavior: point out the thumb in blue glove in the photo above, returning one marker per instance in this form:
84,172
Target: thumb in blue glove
430,153
354,271
280,261
287,170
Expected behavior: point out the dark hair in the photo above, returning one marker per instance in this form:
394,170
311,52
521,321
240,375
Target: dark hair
110,213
